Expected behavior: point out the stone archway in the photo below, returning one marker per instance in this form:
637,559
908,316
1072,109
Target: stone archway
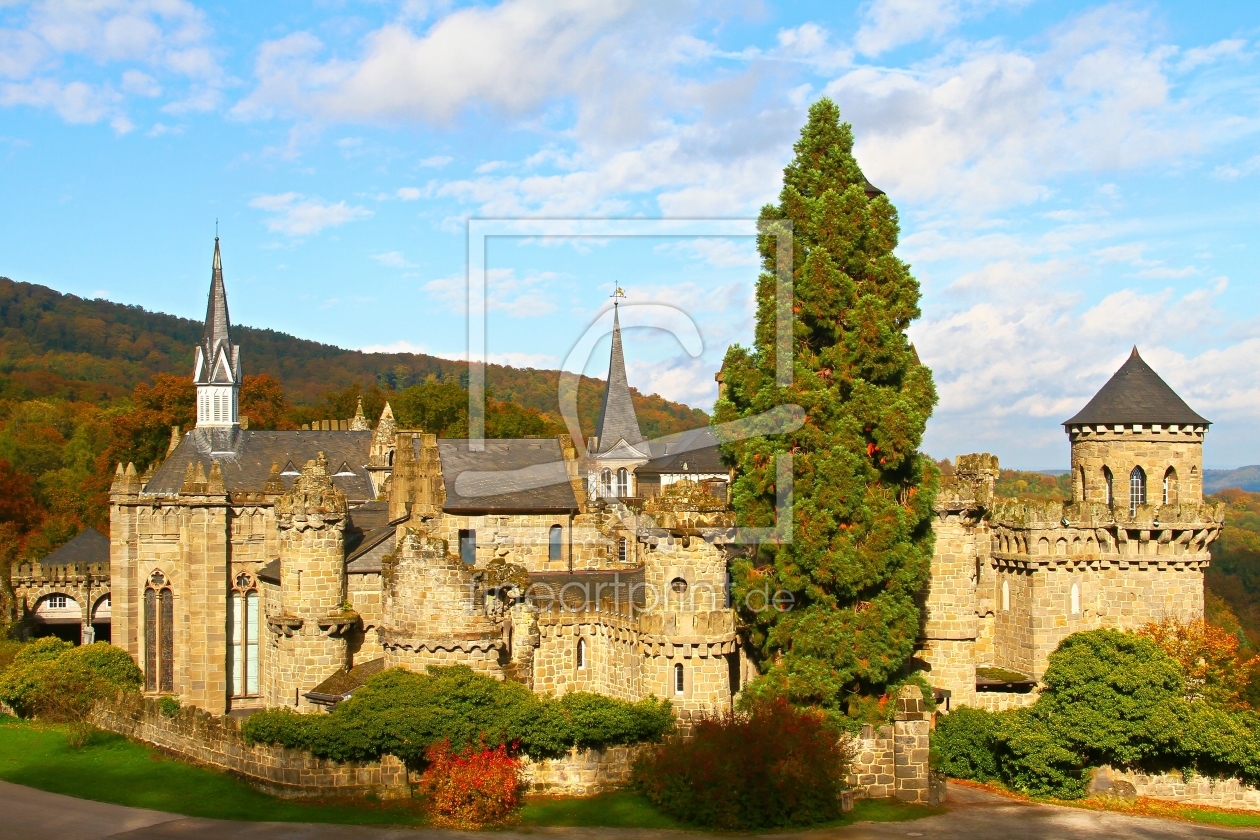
58,614
101,614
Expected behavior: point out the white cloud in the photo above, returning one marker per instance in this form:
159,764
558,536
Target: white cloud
141,84
989,126
400,346
74,102
408,193
1198,56
1229,172
888,24
512,57
520,297
435,162
393,259
523,360
296,215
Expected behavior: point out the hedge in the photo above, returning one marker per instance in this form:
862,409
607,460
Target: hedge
402,713
54,679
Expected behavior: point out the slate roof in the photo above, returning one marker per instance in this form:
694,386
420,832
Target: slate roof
695,448
343,683
575,590
245,457
270,572
1136,394
215,334
91,546
510,475
617,420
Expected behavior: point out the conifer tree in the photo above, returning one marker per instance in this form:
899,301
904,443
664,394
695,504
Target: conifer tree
861,542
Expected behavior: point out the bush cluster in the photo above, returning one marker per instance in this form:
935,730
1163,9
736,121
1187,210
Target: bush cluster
1110,698
773,766
470,789
403,713
54,680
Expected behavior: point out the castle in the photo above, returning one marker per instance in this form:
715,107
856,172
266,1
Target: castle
255,568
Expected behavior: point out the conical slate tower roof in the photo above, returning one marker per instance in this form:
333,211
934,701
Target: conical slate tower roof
617,421
1136,394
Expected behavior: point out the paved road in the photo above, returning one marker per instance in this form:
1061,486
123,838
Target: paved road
29,814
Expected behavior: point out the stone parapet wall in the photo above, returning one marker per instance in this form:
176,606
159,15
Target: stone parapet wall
1193,790
893,760
582,772
217,742
999,701
872,773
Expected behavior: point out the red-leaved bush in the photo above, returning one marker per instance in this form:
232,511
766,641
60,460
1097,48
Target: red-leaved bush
473,788
775,766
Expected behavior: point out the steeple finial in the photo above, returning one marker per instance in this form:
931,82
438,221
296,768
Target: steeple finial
1134,354
217,362
617,420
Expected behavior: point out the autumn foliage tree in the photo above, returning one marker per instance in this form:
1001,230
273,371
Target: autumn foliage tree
861,542
1209,657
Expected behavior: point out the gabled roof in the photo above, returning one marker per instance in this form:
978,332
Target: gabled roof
91,546
523,474
617,420
1136,394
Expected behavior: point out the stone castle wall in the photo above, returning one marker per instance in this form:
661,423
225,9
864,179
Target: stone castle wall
1156,449
1193,790
216,742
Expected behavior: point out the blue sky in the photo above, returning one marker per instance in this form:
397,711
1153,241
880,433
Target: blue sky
1073,178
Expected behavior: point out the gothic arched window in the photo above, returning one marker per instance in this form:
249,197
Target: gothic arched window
623,482
1108,488
1006,595
1170,486
159,634
1074,600
680,679
605,482
555,536
1080,484
243,637
1137,489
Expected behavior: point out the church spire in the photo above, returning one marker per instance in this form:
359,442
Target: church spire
217,322
617,420
217,362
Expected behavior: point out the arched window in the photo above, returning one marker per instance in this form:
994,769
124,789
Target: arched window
1080,484
243,637
1108,490
623,482
554,536
1006,595
605,482
1137,489
1075,599
159,634
1170,486
622,550
581,654
680,679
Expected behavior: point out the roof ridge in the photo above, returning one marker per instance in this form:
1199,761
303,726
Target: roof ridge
1136,394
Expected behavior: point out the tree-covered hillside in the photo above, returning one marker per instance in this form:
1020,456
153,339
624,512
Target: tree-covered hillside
57,345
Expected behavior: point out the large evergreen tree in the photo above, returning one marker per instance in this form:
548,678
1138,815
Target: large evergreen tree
862,540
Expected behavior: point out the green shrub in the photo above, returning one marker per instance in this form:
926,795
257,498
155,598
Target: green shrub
55,680
775,766
965,745
402,713
1110,698
168,705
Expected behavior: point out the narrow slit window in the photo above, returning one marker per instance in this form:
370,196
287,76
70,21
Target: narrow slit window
1006,596
468,546
581,654
555,536
680,679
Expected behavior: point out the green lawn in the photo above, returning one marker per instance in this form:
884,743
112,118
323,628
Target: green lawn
112,769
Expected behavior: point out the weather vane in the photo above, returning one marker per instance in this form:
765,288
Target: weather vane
619,293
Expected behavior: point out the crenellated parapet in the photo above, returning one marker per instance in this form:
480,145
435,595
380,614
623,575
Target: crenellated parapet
314,502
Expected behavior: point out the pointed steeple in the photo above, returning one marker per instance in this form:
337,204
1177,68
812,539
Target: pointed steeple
217,322
617,420
217,362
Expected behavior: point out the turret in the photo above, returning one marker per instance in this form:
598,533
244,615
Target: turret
217,362
1137,443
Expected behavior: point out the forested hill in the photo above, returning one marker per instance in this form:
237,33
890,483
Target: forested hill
59,345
